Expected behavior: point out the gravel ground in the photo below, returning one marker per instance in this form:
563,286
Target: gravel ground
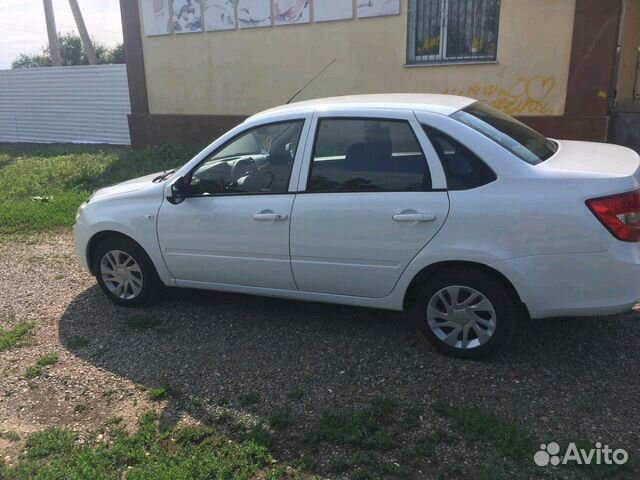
573,379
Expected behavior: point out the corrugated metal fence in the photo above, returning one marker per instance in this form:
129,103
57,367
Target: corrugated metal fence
84,104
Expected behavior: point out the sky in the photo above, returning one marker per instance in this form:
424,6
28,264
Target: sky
23,29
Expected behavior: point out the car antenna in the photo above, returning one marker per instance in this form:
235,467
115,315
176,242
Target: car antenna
309,82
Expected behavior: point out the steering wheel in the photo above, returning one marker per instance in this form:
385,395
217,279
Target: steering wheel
242,168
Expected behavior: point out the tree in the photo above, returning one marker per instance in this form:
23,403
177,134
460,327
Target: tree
72,53
116,54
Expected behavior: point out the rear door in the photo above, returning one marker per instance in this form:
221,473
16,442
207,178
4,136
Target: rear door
371,196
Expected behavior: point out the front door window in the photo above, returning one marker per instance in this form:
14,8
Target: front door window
259,161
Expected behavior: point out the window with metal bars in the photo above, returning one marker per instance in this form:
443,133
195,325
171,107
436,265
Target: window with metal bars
453,31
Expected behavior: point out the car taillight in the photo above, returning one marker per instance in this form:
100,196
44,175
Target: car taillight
620,214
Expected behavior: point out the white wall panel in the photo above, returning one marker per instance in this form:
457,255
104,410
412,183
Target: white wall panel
84,104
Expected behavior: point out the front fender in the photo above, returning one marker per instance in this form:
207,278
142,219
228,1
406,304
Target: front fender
137,220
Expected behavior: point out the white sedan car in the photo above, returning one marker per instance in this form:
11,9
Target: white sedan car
433,204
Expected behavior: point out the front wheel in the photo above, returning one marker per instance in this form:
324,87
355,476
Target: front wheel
466,313
125,273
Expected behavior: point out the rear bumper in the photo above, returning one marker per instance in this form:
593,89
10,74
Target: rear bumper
586,284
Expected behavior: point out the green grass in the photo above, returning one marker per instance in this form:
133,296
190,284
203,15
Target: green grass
366,428
260,435
362,440
165,391
602,471
186,453
43,186
38,369
53,441
193,435
14,337
280,419
11,436
475,425
510,446
80,407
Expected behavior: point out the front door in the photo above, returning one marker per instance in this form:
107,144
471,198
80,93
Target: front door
234,226
367,209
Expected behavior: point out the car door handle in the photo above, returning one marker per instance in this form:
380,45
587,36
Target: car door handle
269,216
414,217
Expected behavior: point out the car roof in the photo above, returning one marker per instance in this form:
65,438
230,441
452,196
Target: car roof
443,104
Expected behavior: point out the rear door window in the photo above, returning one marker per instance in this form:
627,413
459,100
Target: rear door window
367,155
463,169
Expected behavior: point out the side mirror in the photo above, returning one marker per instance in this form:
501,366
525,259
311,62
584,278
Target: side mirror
178,191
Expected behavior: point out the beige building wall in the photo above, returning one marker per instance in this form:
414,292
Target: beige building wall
628,66
244,71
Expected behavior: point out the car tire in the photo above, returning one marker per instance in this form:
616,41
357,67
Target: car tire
125,273
476,324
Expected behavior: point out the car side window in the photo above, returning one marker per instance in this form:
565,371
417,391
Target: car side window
463,169
367,155
257,161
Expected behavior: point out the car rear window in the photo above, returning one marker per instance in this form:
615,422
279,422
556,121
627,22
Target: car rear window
505,130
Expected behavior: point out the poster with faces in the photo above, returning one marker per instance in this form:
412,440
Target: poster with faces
187,16
378,8
290,12
219,15
326,10
156,17
254,13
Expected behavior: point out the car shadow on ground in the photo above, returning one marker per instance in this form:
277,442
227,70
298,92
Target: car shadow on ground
558,378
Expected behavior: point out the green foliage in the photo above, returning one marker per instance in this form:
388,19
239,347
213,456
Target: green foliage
507,439
147,454
15,336
365,441
47,360
80,407
280,419
11,436
260,435
189,434
67,176
32,61
72,53
53,441
162,392
38,369
115,55
366,428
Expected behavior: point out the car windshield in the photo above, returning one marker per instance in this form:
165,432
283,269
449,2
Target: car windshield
513,135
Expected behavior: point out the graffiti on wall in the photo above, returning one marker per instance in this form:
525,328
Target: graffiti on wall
527,95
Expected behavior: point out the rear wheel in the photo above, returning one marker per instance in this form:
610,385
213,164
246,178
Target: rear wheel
466,313
125,273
